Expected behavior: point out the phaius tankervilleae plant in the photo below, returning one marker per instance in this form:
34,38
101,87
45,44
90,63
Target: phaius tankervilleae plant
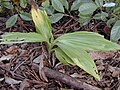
71,47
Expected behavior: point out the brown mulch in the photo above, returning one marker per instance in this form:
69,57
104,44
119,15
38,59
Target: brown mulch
19,70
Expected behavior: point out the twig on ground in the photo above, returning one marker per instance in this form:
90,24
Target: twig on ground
65,79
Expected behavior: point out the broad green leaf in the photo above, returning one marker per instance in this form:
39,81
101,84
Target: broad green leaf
46,3
23,3
104,15
11,21
81,58
7,5
62,57
86,41
111,21
26,16
75,5
99,3
42,23
115,32
50,10
58,5
97,16
17,37
87,8
84,19
56,17
65,3
101,16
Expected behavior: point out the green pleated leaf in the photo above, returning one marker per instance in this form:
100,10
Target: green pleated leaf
81,58
62,57
17,37
115,32
11,21
75,46
87,41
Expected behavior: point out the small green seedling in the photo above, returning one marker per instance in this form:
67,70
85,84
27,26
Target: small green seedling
16,7
71,47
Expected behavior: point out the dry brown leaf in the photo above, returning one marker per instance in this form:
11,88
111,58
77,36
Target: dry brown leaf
24,84
115,71
12,49
102,55
118,88
38,59
8,57
65,89
1,79
92,87
11,81
76,75
41,72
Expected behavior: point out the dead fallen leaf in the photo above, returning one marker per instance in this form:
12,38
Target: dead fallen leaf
11,81
22,52
37,84
113,68
102,55
115,71
8,57
12,49
38,59
92,87
76,75
24,84
101,67
118,88
117,59
99,62
1,79
65,89
41,72
62,70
